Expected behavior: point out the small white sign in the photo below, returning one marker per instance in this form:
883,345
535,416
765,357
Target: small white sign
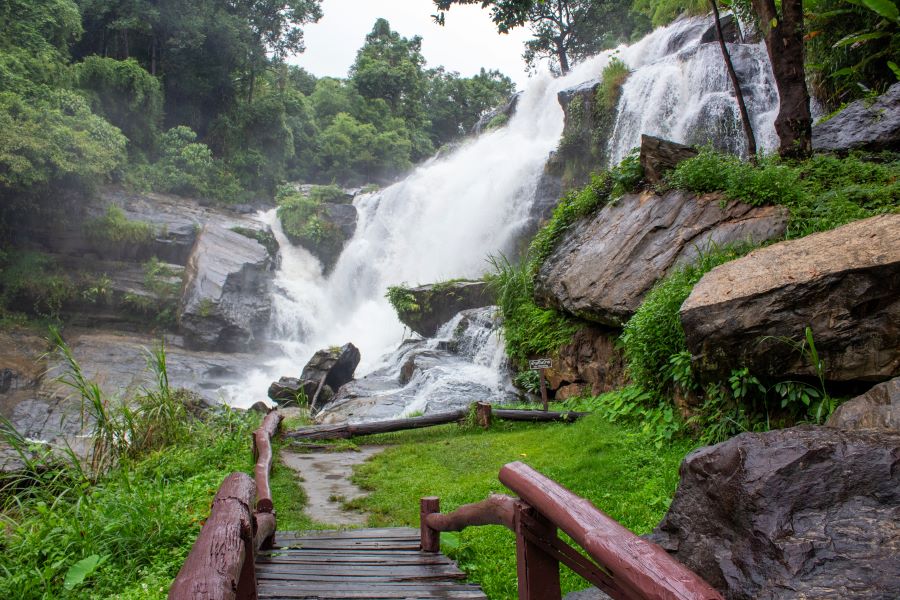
540,363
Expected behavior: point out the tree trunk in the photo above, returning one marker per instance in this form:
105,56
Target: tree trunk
742,107
784,43
561,55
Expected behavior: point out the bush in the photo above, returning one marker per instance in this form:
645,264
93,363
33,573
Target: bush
117,228
822,192
302,217
613,77
654,335
529,330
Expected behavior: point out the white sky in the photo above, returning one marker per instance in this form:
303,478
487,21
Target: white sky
467,42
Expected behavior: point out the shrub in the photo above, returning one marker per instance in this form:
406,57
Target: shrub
529,330
114,226
822,192
613,77
654,335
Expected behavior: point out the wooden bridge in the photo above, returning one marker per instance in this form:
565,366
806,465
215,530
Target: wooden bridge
239,555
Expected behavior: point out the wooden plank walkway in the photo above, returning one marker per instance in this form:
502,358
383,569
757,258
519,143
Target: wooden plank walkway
359,564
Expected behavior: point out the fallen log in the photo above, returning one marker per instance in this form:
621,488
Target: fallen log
348,430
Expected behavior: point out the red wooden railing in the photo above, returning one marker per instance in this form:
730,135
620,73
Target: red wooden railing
220,565
620,563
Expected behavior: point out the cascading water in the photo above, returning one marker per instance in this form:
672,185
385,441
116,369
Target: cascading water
451,213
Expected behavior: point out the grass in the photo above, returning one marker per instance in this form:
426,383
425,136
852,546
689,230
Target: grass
611,465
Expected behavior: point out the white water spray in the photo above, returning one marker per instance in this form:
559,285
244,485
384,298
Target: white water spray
448,215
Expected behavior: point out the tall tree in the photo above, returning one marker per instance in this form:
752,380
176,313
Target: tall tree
564,31
784,42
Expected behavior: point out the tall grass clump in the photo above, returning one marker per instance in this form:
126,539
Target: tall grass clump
529,330
822,192
653,338
122,524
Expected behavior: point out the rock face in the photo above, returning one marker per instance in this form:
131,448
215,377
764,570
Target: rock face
334,367
602,268
879,408
844,284
226,302
425,308
807,512
861,126
508,109
330,225
731,33
659,156
591,362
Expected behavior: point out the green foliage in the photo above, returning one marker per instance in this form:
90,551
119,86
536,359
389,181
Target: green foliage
654,337
822,192
403,301
616,467
54,139
34,282
662,12
529,380
572,207
850,47
127,532
611,80
302,217
115,227
528,329
125,94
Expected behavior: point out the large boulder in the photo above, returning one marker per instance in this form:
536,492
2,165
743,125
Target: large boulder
807,512
603,267
879,408
658,156
327,371
862,125
500,114
426,307
226,303
844,284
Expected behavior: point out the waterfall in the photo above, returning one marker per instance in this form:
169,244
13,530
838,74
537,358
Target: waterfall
449,214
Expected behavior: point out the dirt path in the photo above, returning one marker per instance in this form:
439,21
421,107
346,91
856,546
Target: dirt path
326,481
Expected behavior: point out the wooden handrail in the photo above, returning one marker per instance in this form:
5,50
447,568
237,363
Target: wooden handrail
220,565
624,566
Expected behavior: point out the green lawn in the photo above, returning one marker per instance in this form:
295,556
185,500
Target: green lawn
616,467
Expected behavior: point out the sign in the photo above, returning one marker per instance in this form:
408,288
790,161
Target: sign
540,363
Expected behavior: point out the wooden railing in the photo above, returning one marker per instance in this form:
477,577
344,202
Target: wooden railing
220,565
620,563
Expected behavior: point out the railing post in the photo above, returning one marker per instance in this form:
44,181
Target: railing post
537,571
430,538
483,414
246,589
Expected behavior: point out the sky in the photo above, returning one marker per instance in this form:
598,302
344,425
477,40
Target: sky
467,42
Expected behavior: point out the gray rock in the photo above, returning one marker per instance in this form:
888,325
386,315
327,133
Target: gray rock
844,284
730,31
807,512
659,156
861,125
286,388
260,407
334,367
226,302
436,303
603,267
879,408
508,109
588,594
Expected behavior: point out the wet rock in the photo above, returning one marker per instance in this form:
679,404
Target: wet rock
731,33
507,110
658,156
604,266
286,388
330,368
260,407
862,126
591,360
226,302
425,308
879,408
844,284
330,225
807,512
